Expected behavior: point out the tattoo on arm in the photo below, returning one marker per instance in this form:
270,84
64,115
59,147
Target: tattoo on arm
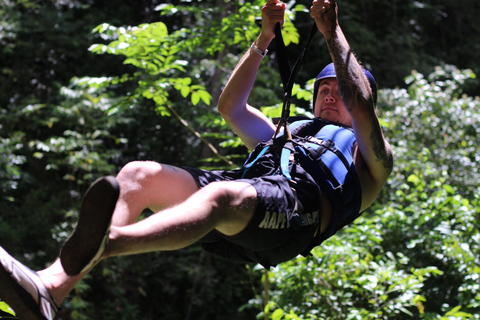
353,86
382,153
354,89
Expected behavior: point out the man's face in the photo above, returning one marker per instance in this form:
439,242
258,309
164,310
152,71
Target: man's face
329,106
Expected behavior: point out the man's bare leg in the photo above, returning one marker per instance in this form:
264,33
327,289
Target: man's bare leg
143,184
227,208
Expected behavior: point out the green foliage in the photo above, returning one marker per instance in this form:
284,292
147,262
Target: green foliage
440,124
230,24
6,309
154,53
85,144
415,253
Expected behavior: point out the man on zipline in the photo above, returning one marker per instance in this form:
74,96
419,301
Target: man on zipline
271,210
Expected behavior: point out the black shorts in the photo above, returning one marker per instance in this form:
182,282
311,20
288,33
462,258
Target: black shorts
272,236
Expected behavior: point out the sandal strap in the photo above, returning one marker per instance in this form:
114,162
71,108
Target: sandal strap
24,290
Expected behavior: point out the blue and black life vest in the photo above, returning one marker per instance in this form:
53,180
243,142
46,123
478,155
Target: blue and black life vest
325,150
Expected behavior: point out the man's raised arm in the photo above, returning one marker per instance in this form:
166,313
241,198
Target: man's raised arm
356,95
248,122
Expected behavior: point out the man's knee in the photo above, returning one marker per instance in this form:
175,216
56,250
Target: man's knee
228,193
233,204
138,173
141,170
156,185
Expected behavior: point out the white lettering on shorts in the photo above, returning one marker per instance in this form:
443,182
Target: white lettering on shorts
276,220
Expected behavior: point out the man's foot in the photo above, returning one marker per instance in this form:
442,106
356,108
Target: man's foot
85,246
22,289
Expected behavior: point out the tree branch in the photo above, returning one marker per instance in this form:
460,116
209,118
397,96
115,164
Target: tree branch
209,145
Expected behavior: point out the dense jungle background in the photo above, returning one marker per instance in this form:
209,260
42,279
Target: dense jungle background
88,85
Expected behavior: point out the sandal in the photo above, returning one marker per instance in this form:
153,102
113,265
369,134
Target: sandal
84,248
23,290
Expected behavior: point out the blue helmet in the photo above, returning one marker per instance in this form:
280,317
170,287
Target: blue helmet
329,72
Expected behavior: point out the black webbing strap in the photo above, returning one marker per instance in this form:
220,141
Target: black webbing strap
288,77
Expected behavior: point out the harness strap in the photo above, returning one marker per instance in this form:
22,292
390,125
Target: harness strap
248,165
287,155
288,77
